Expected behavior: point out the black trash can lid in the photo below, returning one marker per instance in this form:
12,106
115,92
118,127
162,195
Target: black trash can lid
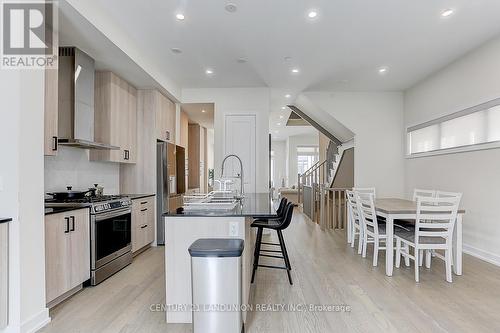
217,247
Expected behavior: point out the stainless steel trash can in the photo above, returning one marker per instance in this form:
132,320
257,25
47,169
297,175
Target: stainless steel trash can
216,285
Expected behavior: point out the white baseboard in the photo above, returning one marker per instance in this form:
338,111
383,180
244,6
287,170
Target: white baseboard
492,258
36,322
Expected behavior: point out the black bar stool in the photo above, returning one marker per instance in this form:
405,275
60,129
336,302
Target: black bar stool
278,224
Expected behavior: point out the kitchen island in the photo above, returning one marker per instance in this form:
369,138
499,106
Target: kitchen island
184,227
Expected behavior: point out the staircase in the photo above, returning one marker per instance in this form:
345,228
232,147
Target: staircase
319,193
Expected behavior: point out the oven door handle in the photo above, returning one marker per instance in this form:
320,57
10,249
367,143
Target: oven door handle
115,213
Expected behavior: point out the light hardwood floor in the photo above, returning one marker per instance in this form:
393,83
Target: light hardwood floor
325,271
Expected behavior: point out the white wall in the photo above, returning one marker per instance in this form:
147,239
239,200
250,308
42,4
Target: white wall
280,162
71,167
21,196
291,156
473,79
249,101
377,122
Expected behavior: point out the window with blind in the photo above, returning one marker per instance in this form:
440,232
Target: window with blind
474,126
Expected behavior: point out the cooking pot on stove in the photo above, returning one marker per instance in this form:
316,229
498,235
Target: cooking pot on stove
69,194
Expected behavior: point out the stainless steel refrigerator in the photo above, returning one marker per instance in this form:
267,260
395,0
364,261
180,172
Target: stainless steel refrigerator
166,185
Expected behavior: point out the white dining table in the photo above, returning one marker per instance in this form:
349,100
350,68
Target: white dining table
400,209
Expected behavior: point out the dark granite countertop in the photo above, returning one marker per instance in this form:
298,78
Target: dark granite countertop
55,210
138,196
258,205
5,219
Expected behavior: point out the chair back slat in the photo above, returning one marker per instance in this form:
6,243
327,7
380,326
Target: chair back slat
369,190
436,217
444,194
423,193
353,207
366,208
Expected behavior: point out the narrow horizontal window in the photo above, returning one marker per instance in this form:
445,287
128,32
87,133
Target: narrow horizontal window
473,126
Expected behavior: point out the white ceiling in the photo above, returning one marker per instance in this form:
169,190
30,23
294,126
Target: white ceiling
196,115
341,49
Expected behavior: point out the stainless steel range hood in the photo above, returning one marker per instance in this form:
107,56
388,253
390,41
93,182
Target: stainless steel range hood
76,100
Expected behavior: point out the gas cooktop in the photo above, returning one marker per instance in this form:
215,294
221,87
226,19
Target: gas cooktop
98,204
86,200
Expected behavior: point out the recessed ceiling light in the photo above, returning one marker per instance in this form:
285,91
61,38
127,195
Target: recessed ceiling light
383,70
447,12
295,70
281,116
283,108
288,95
209,71
287,58
231,7
203,111
279,124
179,16
241,60
312,14
176,50
276,132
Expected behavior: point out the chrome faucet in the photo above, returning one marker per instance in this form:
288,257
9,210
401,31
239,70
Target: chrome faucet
242,191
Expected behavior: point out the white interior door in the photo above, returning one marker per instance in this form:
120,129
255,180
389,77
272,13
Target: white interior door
240,140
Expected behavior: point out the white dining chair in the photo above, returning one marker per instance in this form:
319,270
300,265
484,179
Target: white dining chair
373,232
432,253
356,224
428,194
433,231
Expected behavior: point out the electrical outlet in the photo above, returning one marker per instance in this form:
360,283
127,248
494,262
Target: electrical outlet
233,229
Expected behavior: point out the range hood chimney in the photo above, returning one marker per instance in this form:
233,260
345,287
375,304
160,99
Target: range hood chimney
76,100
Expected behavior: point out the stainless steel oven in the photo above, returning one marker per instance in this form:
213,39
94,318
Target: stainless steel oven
110,242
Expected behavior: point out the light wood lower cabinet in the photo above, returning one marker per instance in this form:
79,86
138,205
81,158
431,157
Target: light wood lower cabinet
143,222
67,252
4,274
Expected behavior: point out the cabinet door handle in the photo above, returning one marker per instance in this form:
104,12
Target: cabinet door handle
67,225
144,209
72,223
144,226
144,202
54,143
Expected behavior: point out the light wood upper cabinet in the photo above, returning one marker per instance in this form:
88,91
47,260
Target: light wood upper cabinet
67,251
184,121
51,100
143,222
165,117
115,117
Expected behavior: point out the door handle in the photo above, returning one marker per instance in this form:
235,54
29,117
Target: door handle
72,223
67,225
144,209
144,226
54,143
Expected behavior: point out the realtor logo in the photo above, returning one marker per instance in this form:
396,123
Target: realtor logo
27,35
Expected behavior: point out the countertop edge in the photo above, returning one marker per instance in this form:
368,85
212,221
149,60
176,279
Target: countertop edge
65,209
5,220
139,196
